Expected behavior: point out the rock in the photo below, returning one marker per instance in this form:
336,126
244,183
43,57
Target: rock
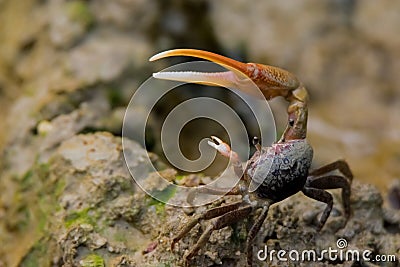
68,22
114,51
85,198
92,203
379,22
394,195
262,26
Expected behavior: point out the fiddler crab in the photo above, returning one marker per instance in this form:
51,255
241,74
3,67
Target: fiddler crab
290,158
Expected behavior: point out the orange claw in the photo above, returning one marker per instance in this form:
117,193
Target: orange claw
272,82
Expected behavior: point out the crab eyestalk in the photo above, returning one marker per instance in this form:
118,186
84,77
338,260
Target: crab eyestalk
271,81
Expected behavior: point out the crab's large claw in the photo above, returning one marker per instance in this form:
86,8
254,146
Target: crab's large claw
272,81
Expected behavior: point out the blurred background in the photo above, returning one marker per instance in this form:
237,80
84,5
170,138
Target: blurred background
73,66
58,56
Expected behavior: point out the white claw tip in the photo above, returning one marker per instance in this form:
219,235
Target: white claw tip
212,144
219,145
216,139
153,58
160,55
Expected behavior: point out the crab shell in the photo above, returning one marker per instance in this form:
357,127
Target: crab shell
280,170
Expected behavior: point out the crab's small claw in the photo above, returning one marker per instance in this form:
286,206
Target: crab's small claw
226,151
223,148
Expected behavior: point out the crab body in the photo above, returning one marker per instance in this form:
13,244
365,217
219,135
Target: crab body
281,170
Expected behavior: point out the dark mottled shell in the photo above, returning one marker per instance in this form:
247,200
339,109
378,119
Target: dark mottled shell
280,170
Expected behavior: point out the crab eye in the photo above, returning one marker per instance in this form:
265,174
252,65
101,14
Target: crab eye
256,141
291,122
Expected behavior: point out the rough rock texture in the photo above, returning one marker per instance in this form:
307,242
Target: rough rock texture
68,69
88,210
